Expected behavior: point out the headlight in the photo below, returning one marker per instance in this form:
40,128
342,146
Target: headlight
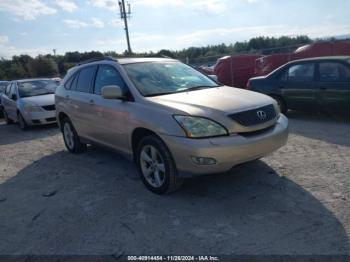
196,127
32,108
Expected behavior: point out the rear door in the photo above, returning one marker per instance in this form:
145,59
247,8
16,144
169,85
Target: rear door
109,115
298,86
80,100
334,85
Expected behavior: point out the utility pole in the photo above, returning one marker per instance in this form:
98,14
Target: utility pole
54,51
124,15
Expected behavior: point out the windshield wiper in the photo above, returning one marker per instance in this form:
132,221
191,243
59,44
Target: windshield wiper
198,88
42,94
159,94
182,90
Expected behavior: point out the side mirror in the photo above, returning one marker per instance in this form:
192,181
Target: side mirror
14,97
112,92
214,77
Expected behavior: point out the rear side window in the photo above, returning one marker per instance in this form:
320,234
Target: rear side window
85,78
69,82
107,75
301,72
334,72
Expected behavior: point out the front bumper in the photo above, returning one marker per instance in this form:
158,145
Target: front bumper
40,118
228,151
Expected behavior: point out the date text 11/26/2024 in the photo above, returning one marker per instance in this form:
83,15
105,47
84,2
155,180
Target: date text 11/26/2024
173,258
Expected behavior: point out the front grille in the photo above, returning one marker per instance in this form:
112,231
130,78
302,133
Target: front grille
36,121
51,119
251,117
49,107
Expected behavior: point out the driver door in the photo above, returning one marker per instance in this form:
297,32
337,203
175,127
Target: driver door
10,104
110,116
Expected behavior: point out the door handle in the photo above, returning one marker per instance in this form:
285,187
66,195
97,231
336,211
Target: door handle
67,96
91,102
323,88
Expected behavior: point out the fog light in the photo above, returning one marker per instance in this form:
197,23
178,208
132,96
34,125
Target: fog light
203,160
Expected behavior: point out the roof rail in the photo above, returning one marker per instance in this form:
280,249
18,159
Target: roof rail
108,58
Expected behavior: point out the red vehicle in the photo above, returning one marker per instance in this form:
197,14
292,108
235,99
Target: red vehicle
237,70
269,63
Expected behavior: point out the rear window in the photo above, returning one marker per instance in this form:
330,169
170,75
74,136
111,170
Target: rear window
334,72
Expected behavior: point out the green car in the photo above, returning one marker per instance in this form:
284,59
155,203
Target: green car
313,84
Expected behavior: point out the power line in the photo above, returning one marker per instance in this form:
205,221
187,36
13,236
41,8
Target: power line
124,14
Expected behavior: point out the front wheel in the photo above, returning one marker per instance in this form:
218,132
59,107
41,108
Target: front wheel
71,138
156,166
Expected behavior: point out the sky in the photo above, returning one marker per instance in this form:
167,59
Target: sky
38,26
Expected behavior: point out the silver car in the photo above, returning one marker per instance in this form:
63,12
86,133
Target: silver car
30,102
3,85
172,120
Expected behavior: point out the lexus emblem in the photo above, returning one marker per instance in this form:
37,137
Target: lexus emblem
261,114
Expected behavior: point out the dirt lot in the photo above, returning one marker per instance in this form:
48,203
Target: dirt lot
295,201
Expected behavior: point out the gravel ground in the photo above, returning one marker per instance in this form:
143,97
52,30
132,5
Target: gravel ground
295,201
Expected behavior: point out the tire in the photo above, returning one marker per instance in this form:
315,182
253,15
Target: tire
8,121
22,123
71,138
156,166
281,103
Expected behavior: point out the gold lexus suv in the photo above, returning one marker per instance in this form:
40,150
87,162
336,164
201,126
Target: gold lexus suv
170,119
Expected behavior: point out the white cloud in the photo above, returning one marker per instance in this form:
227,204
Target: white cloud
141,42
252,1
207,6
116,23
111,5
160,3
97,23
75,23
26,9
3,39
231,35
210,6
67,5
9,51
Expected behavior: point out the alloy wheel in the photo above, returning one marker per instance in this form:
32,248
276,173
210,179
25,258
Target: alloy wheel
152,166
68,135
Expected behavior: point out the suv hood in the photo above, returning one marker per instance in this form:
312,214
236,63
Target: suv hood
217,104
205,102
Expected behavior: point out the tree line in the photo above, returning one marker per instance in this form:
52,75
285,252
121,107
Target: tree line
25,66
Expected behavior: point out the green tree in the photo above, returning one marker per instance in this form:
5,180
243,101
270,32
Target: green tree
44,67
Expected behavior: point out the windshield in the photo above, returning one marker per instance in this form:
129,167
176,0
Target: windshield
159,78
36,88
